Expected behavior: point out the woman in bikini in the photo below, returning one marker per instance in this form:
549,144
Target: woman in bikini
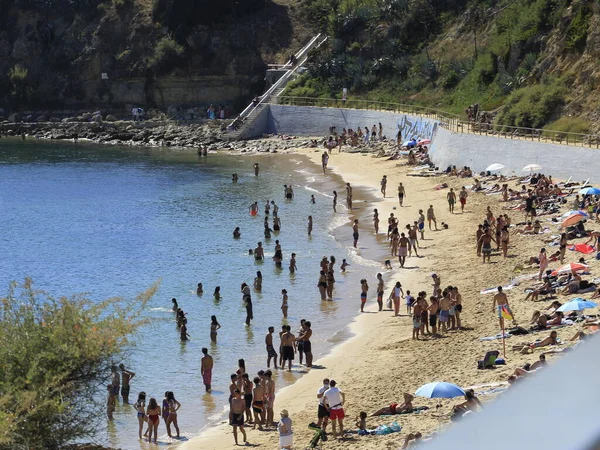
396,408
543,258
140,407
504,236
330,284
322,285
258,281
153,413
376,220
214,326
173,406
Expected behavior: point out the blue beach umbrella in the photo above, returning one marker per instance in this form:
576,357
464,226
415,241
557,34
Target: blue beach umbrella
577,304
440,389
590,191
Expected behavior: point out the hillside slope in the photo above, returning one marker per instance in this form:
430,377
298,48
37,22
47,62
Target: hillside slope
101,53
529,63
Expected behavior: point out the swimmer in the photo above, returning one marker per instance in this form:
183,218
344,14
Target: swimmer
284,308
254,209
199,290
236,233
214,326
217,293
344,265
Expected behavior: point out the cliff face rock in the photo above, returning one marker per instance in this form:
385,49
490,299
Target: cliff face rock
115,53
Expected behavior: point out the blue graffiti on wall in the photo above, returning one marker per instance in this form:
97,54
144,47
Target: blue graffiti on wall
419,128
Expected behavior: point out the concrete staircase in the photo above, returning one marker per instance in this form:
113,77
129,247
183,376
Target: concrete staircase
242,126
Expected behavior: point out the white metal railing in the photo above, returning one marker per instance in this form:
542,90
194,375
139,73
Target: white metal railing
301,58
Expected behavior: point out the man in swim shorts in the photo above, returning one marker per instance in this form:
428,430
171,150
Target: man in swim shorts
271,353
500,302
236,415
486,244
451,196
416,320
421,223
412,239
126,376
402,249
259,252
288,346
322,413
206,369
445,303
462,196
380,291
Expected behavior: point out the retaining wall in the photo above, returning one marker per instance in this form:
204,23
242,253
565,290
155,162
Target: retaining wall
478,152
314,121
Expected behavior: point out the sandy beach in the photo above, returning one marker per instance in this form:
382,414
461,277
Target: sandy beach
381,362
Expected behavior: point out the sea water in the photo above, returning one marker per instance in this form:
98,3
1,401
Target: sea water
111,221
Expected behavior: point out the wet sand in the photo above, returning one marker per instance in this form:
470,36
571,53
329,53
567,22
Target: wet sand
381,361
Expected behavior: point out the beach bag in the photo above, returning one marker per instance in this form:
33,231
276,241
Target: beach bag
388,304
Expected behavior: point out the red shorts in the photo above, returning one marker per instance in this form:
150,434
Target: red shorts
463,201
336,414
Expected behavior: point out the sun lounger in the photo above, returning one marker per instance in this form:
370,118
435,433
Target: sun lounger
488,360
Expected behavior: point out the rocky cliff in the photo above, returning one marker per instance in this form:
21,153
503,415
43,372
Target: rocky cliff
75,54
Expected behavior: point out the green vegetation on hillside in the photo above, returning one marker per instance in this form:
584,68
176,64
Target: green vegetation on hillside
449,54
56,355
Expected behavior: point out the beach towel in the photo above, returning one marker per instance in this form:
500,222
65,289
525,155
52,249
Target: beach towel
583,248
495,289
492,338
417,410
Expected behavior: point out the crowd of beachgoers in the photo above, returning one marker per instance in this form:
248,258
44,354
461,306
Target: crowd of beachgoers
493,219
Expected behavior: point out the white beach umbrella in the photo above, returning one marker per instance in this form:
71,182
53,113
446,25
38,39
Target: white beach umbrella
494,167
532,168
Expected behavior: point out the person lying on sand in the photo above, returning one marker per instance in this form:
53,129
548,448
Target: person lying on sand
526,348
396,408
470,404
412,440
545,289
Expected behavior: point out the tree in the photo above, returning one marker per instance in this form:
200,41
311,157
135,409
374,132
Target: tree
56,354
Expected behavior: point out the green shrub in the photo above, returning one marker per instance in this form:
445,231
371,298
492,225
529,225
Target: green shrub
577,31
532,106
56,354
570,125
167,52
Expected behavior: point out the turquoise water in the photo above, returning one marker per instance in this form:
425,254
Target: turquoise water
111,221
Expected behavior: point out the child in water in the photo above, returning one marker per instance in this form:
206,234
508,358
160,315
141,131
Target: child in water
344,265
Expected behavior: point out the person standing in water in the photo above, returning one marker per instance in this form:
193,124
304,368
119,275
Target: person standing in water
126,376
206,368
349,196
293,267
247,299
376,220
307,345
364,290
310,225
174,406
355,232
259,252
258,281
284,304
271,353
334,201
214,326
288,346
254,209
322,285
199,290
256,169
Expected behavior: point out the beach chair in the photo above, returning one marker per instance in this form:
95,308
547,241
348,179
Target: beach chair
318,437
488,360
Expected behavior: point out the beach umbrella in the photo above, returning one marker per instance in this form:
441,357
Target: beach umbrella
590,191
424,142
571,220
532,168
570,213
494,167
439,390
577,304
571,267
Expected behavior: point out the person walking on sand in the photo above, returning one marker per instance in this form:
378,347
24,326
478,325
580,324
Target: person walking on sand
486,244
421,224
397,292
333,400
355,232
478,239
462,196
236,415
376,220
334,201
543,258
206,367
349,196
271,353
401,194
383,185
451,197
126,376
501,303
380,285
324,161
402,249
431,217
412,240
